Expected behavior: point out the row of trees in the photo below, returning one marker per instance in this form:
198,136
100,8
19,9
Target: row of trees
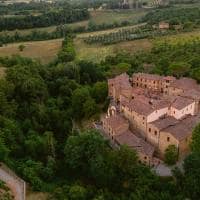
53,17
125,35
59,32
24,8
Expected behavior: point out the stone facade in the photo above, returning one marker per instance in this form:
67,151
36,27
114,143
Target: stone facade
160,110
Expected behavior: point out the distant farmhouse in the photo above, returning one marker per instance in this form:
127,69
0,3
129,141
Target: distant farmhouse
150,112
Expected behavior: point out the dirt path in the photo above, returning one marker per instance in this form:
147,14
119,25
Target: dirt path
16,185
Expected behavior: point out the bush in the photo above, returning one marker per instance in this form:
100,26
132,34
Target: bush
171,155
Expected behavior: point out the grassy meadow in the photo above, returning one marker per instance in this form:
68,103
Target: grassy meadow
99,52
45,51
112,16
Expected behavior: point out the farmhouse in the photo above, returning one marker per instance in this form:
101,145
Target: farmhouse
150,112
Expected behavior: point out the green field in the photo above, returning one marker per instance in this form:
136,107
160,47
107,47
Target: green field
112,16
99,52
98,17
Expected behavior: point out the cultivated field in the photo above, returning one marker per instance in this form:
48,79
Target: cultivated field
45,51
98,52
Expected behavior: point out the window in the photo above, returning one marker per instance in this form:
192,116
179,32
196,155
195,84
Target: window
166,86
174,112
155,132
154,82
168,139
145,157
150,130
143,118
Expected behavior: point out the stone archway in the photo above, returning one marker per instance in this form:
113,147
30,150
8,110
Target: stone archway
112,111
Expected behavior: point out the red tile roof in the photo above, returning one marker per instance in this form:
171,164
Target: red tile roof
181,102
117,123
184,128
138,144
184,83
164,122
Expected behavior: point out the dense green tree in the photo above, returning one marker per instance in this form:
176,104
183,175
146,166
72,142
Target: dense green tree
77,192
90,108
179,69
192,176
195,144
79,97
171,155
100,91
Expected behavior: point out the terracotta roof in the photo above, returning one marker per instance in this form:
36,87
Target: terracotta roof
140,106
138,90
193,94
184,128
121,82
146,148
179,131
128,138
181,102
191,121
165,122
184,83
138,144
144,105
117,122
159,104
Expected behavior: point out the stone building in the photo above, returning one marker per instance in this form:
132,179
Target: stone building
160,111
118,85
152,82
117,129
